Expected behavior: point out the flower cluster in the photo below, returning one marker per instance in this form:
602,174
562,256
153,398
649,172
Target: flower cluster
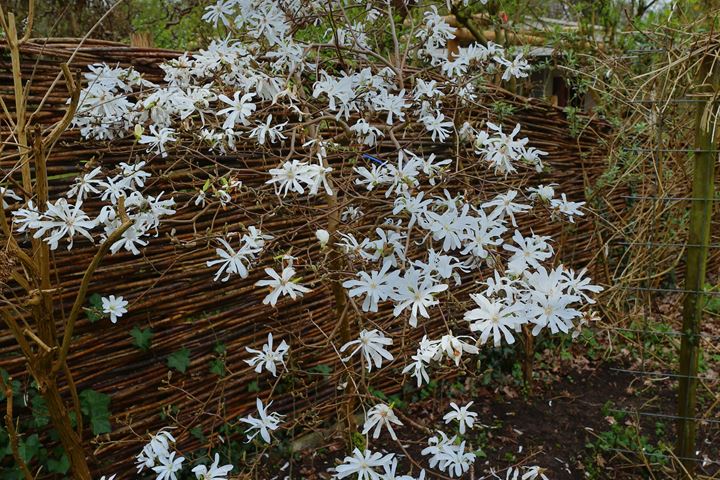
159,456
61,219
435,228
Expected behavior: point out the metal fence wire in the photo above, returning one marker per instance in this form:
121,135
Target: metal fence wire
698,206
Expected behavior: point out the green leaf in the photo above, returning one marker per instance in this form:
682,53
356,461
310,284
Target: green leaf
323,370
179,360
60,465
217,366
95,312
142,338
95,300
198,433
95,406
253,387
40,414
29,447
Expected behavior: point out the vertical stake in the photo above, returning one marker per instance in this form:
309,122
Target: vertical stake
697,252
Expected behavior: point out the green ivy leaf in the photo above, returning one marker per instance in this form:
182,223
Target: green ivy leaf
60,465
217,366
198,433
40,414
142,338
29,448
95,406
253,387
179,360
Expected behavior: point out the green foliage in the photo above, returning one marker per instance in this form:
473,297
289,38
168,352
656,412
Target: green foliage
358,440
94,311
323,370
625,435
96,407
179,360
502,110
713,301
141,338
179,28
217,366
40,414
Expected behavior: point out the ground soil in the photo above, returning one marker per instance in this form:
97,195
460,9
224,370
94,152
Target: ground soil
555,428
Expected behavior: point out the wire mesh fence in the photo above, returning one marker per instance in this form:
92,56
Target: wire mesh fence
669,150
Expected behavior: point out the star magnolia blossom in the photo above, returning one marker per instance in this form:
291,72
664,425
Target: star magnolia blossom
372,346
264,424
214,472
364,465
268,358
281,284
379,416
462,415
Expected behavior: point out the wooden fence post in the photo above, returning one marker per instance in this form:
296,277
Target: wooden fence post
697,252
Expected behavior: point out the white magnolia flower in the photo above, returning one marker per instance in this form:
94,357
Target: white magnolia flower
364,465
416,292
518,67
264,424
268,358
264,130
372,345
462,415
5,194
379,416
531,473
114,306
436,125
157,452
454,347
494,318
567,208
323,237
376,286
169,467
542,192
157,139
281,284
214,472
84,185
60,220
417,367
447,456
504,206
239,110
221,11
231,261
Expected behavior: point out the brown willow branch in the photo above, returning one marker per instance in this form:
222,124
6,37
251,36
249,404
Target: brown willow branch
76,401
30,21
84,285
62,125
10,30
12,432
17,333
14,247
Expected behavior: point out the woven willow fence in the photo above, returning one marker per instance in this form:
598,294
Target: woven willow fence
171,290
